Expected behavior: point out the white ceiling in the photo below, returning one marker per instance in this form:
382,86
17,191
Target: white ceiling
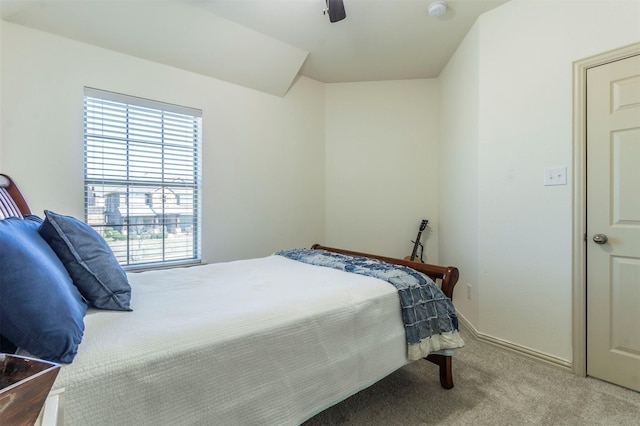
265,44
378,40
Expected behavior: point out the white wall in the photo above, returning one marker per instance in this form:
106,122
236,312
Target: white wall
382,165
263,155
459,207
524,53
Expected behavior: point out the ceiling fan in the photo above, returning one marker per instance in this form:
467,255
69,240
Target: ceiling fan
335,9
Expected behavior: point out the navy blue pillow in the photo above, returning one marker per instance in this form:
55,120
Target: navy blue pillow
89,260
41,311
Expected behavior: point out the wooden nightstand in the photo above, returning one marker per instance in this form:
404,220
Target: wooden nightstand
24,386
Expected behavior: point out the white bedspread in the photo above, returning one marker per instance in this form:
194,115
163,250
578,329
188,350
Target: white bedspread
304,338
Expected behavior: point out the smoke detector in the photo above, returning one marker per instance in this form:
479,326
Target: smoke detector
437,8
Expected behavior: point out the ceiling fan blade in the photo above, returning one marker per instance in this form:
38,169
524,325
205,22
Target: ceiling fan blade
336,10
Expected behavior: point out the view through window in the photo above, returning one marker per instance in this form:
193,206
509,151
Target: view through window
142,177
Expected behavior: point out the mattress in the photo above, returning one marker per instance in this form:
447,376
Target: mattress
268,341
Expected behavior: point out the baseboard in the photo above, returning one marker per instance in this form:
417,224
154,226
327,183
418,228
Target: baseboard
515,348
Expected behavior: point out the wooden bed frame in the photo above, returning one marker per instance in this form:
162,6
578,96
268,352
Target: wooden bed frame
447,276
11,197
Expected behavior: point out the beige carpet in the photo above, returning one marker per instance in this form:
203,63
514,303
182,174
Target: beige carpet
492,387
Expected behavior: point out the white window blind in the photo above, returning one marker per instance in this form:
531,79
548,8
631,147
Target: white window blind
142,177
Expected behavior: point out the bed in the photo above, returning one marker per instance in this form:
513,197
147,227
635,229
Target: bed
219,344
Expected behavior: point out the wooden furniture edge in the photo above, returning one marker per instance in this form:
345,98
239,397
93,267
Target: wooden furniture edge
10,186
24,387
448,275
445,367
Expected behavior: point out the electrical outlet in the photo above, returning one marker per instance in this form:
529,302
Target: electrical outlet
469,291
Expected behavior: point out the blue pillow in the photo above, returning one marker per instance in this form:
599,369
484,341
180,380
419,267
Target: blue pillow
41,311
89,260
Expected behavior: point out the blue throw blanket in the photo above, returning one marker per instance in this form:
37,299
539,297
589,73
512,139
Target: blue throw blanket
430,320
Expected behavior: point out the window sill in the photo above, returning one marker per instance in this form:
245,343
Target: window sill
165,265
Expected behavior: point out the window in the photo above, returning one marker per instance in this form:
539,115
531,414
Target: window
142,177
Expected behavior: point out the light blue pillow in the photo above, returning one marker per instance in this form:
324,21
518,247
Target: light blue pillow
41,311
89,260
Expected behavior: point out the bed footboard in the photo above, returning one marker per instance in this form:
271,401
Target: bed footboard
444,362
447,276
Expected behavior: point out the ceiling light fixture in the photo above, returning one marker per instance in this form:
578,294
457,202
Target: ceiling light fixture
437,8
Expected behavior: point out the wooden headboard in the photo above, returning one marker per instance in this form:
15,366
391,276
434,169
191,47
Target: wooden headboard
12,202
446,275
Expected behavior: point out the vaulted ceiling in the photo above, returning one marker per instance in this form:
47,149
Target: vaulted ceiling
265,44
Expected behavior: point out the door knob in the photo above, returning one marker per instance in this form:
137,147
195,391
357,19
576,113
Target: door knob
600,238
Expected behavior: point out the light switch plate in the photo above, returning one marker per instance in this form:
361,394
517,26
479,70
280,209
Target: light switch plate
555,176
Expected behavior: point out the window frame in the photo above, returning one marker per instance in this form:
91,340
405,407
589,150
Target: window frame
174,160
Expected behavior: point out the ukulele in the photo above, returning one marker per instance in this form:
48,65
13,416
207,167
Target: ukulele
413,257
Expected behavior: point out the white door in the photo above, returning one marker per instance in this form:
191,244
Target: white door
613,222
